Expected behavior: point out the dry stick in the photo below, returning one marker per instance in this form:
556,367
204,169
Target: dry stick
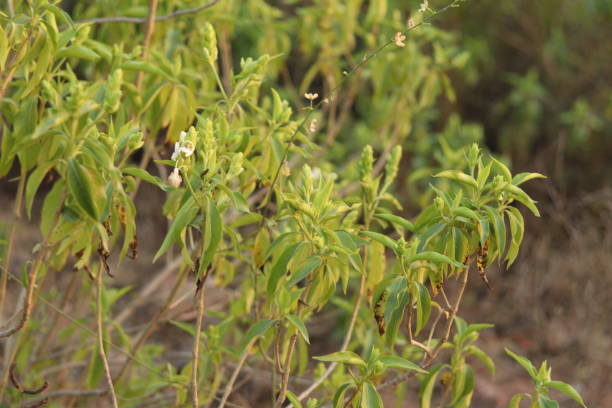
196,347
10,241
147,40
151,326
135,20
107,372
230,384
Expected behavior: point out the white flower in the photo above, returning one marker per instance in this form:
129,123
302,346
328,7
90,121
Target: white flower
410,23
187,148
182,136
311,96
424,6
175,178
398,39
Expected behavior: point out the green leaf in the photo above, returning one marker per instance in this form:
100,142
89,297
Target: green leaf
280,267
310,264
299,325
423,307
345,357
255,331
503,169
482,356
567,390
458,176
465,212
145,176
383,239
184,216
401,363
370,398
293,399
463,384
522,197
77,51
33,183
395,220
515,402
434,257
546,402
427,387
523,177
523,362
213,231
339,395
79,184
145,67
517,230
499,229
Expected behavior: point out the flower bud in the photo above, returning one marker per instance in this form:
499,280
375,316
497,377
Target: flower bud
175,178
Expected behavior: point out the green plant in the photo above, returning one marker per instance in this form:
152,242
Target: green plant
86,119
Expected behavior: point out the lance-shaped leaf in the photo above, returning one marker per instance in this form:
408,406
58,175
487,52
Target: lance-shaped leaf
213,231
401,363
523,177
567,390
345,357
522,197
145,176
280,267
370,398
383,239
299,325
311,263
184,216
427,387
434,257
80,184
423,306
458,176
255,331
395,220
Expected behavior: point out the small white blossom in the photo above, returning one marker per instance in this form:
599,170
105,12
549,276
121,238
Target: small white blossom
398,39
182,136
315,173
175,178
311,96
424,6
410,23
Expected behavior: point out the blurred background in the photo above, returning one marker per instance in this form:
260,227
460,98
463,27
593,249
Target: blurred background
531,81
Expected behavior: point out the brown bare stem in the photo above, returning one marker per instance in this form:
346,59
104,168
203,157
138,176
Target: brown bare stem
286,371
230,384
107,372
147,40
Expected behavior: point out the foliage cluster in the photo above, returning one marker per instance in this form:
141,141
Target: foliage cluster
87,115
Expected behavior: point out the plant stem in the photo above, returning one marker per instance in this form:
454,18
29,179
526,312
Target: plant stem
147,40
196,347
107,372
230,384
286,371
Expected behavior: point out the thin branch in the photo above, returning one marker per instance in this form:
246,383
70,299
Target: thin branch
147,40
196,346
136,20
107,372
230,384
17,384
286,371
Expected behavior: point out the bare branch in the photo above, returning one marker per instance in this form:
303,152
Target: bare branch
136,20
